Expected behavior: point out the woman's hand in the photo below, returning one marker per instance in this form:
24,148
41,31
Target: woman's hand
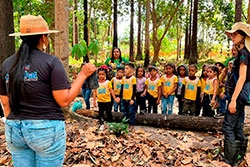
88,69
232,107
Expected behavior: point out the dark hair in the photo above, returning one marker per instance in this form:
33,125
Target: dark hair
112,58
172,66
184,66
102,69
193,66
214,69
16,74
137,69
242,33
220,64
203,69
131,65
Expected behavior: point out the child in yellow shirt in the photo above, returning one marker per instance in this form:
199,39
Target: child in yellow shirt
128,93
191,91
210,91
104,97
169,85
153,90
116,84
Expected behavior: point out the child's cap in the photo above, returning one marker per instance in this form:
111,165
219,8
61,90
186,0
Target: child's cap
120,67
104,67
153,67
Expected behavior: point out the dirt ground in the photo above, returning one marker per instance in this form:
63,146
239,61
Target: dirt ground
142,146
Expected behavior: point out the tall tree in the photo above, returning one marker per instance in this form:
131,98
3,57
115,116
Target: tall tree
139,54
190,29
62,38
238,10
86,32
194,54
7,44
187,50
75,25
157,22
147,38
115,40
131,43
248,13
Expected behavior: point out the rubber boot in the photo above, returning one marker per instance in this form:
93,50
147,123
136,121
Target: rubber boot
231,151
243,148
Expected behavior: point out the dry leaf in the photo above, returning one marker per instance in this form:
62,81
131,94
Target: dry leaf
186,161
139,131
146,150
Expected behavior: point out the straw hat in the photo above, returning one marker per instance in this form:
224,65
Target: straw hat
33,25
243,27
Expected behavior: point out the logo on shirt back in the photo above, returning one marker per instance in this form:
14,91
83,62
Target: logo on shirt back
29,76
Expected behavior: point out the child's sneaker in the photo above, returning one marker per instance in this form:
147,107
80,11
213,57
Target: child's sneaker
101,127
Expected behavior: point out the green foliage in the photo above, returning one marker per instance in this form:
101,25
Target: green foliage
119,128
81,49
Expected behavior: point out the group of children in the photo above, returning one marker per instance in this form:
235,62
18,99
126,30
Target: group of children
129,92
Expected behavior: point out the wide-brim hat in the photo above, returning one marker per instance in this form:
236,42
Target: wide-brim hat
33,25
243,27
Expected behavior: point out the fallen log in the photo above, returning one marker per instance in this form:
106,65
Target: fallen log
165,121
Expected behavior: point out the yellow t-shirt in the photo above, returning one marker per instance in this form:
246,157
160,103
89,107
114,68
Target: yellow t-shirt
153,86
221,90
103,93
209,89
116,84
203,83
191,87
128,87
168,83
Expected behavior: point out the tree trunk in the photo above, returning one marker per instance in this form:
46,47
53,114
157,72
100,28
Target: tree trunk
248,13
186,52
51,26
75,25
7,43
139,53
86,58
95,29
165,121
131,43
62,38
115,35
238,10
147,38
178,42
194,55
89,25
190,29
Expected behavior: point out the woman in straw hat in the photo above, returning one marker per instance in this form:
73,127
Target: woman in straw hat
33,88
235,143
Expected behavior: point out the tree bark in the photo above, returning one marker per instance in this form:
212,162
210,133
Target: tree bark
248,13
139,53
238,10
194,55
190,29
186,52
131,43
62,38
115,40
51,50
85,29
165,121
75,25
147,39
7,43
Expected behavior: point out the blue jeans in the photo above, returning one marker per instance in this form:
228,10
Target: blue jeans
223,103
129,111
36,143
86,94
116,105
167,104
